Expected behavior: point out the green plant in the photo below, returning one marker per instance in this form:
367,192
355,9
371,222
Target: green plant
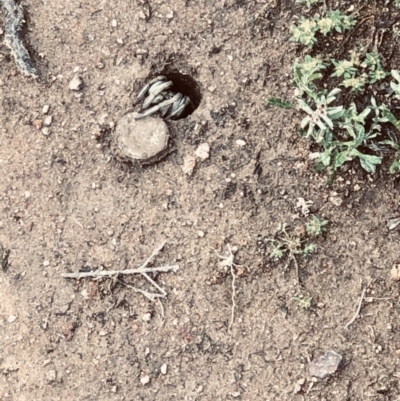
345,67
304,32
304,75
304,301
342,132
316,227
288,244
320,117
306,29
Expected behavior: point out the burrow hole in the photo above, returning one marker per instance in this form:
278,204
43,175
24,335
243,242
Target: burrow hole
185,84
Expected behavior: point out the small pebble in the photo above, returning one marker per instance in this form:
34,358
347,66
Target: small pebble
240,142
45,109
51,376
145,380
325,364
163,369
46,131
146,317
46,263
76,84
203,151
201,234
211,89
114,23
48,120
11,319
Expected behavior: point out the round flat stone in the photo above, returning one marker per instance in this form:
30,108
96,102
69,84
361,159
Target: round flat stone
141,139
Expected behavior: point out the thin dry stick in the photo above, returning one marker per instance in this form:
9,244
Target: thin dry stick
358,309
227,261
297,268
233,297
143,270
110,273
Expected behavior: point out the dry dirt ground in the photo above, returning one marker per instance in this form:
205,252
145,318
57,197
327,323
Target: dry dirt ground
67,203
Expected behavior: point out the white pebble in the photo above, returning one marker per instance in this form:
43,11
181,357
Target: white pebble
76,83
240,142
47,121
46,263
146,317
145,380
203,151
46,131
45,109
201,234
114,23
163,369
11,319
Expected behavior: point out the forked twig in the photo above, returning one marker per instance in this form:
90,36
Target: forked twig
143,270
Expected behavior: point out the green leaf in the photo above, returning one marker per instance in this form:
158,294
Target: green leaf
392,118
325,158
305,107
327,120
396,75
393,144
276,101
341,158
335,113
395,166
369,162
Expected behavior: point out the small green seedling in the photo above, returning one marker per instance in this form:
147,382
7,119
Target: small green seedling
304,301
307,28
316,226
288,244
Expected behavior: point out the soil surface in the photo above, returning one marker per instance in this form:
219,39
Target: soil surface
69,202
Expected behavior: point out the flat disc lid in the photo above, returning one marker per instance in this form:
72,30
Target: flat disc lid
141,139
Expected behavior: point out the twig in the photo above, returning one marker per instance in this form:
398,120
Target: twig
110,273
358,309
297,267
233,297
227,261
12,38
143,270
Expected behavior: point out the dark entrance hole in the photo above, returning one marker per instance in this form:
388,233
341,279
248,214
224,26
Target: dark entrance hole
186,85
